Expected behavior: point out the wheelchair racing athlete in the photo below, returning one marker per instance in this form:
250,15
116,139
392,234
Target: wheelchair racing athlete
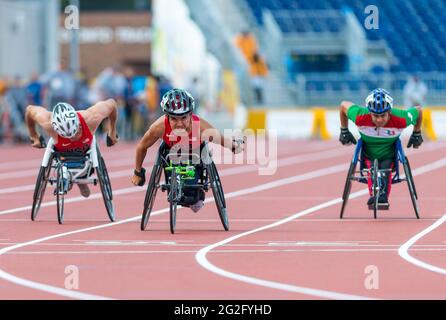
180,125
72,131
380,125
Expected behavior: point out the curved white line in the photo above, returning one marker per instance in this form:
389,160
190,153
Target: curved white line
204,262
80,295
403,251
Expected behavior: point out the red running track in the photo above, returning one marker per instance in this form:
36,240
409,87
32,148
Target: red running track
286,240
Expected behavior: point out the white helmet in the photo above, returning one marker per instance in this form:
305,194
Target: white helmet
65,120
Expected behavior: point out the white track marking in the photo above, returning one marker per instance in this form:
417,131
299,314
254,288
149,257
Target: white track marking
68,293
228,171
202,253
204,262
403,251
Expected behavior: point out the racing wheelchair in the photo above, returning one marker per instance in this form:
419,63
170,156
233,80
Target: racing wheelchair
376,174
64,169
177,171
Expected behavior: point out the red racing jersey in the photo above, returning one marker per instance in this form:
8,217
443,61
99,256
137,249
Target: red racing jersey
81,145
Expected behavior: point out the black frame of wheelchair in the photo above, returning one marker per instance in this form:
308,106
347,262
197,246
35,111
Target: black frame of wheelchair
71,160
209,178
361,176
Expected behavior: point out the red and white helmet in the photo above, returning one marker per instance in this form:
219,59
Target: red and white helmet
65,120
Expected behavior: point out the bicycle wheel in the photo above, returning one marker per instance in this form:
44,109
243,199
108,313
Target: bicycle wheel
347,188
106,189
375,186
411,186
60,194
219,196
39,191
152,189
175,191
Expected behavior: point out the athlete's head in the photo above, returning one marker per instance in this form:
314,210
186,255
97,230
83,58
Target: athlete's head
178,105
65,120
379,102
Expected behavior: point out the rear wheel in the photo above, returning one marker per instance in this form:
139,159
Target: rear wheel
60,193
375,187
106,188
411,186
152,188
347,187
219,195
39,191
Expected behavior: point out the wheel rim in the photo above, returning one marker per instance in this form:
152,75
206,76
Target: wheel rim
151,192
60,195
106,189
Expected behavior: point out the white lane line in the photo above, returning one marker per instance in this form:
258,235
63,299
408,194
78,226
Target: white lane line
403,251
205,263
228,171
67,293
79,295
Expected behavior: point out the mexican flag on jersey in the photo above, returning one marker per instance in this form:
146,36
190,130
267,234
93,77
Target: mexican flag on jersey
378,143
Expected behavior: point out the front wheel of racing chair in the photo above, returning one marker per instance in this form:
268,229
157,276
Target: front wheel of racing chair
105,184
152,188
60,191
217,188
174,197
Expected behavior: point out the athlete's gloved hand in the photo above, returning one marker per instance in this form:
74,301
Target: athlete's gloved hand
38,142
112,139
139,177
237,145
415,140
346,137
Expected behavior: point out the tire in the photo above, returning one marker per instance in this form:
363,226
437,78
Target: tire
219,196
39,191
152,189
347,188
375,186
411,186
60,195
174,192
106,188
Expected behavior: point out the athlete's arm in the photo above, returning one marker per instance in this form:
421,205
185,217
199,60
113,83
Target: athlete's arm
417,126
100,111
211,134
343,111
345,137
416,139
38,115
152,135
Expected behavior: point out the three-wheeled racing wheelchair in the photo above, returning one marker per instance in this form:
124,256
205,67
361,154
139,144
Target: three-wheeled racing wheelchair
182,178
376,175
64,169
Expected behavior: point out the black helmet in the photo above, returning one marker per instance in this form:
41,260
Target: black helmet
177,102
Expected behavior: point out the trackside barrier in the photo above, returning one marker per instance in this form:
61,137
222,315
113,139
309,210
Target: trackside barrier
323,123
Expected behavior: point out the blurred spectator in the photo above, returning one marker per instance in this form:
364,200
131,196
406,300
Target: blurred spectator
60,85
15,103
415,92
34,90
129,105
247,43
259,71
195,90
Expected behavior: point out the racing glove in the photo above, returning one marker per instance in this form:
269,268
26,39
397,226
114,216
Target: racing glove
415,140
346,137
142,175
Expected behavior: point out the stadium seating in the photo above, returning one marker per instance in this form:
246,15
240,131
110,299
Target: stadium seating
414,30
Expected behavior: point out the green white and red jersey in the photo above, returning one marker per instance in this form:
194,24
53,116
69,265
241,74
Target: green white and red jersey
378,143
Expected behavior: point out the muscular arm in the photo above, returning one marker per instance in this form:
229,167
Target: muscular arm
211,134
152,135
38,115
100,111
417,126
343,109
